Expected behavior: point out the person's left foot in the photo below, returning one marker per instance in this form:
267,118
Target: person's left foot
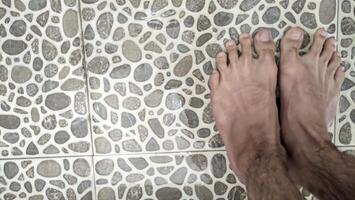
243,99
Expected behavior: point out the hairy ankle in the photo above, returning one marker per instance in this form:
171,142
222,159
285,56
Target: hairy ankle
267,177
327,173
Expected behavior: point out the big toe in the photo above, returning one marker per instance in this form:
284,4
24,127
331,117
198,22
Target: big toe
291,43
264,45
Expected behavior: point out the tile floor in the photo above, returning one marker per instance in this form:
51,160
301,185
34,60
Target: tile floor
108,99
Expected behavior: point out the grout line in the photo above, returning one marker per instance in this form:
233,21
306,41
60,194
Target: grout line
162,153
86,76
337,38
45,157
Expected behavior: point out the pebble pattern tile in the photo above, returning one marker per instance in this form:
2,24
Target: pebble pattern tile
52,179
346,113
148,65
203,175
43,105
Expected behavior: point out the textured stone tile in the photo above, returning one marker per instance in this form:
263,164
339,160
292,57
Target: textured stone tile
52,178
203,175
345,122
149,62
43,104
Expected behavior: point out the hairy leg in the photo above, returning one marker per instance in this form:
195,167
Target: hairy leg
244,108
310,86
268,177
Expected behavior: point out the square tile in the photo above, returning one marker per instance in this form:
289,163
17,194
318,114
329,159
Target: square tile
345,122
149,63
51,178
43,103
202,175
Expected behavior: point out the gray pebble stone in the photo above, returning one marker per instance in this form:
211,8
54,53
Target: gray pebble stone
298,5
195,5
143,72
308,20
271,15
98,65
158,5
347,26
135,192
102,145
174,101
197,162
104,167
246,5
79,127
49,168
21,74
218,165
61,137
202,192
121,71
178,176
154,98
104,24
10,169
203,23
18,28
37,4
223,18
327,11
168,193
57,101
227,4
345,135
9,121
131,146
106,193
80,147
49,51
131,51
81,167
70,23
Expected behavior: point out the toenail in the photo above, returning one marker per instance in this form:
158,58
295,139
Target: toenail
220,55
342,68
339,54
323,33
295,34
334,45
265,36
244,35
230,43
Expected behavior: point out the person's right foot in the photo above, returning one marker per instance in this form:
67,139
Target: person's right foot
310,86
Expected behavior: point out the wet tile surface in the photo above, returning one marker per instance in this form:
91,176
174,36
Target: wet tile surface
149,61
204,175
346,113
35,179
43,105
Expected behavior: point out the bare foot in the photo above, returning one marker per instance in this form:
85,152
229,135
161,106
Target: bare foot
310,86
243,99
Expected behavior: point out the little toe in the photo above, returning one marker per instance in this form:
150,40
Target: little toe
221,61
264,45
334,63
291,43
328,50
339,75
246,42
232,52
318,42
